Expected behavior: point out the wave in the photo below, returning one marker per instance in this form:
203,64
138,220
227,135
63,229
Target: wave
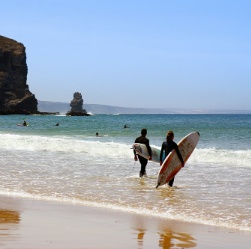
64,144
206,156
235,158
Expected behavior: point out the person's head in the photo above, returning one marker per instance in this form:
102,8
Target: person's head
144,132
96,133
169,136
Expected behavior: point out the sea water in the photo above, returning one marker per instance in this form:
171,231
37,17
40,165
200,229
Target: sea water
68,163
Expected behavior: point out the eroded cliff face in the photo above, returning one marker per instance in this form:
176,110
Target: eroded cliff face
15,96
77,102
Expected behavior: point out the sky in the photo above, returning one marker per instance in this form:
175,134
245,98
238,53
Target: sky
136,53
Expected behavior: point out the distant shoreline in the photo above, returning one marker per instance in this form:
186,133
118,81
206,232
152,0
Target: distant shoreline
63,108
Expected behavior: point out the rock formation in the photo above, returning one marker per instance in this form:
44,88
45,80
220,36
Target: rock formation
77,106
15,97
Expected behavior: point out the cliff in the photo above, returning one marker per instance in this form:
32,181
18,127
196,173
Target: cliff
15,97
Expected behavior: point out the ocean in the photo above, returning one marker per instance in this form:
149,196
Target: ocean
69,164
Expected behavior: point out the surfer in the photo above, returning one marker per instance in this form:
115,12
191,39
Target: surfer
167,147
97,135
24,123
143,161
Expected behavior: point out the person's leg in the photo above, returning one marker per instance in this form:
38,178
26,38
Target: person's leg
143,163
170,183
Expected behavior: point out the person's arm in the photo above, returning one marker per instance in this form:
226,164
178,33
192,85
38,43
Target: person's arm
149,149
134,151
179,155
161,154
135,156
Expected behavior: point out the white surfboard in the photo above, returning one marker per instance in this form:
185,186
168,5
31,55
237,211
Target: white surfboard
172,164
142,151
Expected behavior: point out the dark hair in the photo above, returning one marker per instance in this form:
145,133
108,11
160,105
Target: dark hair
169,135
144,132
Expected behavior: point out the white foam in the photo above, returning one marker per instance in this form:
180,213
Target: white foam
235,158
239,158
64,144
141,211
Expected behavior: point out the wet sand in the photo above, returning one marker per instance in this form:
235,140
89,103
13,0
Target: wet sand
35,224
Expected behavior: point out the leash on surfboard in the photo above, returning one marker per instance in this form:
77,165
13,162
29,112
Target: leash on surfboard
131,170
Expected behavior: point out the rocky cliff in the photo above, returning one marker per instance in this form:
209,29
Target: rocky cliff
15,97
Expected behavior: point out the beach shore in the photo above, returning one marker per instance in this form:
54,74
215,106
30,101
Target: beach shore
36,224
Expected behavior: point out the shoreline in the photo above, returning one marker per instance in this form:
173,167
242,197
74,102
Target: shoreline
36,224
63,107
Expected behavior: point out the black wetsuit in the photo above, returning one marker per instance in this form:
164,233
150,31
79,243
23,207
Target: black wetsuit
143,161
168,147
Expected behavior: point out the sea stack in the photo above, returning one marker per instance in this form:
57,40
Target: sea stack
15,97
77,106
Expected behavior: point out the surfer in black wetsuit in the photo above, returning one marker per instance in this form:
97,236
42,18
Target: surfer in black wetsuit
143,161
167,147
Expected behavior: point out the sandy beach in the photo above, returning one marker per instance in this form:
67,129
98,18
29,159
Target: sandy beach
35,224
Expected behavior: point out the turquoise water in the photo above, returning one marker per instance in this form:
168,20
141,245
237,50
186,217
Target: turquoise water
68,163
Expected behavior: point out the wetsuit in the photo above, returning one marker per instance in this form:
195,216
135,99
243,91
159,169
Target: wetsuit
143,161
167,147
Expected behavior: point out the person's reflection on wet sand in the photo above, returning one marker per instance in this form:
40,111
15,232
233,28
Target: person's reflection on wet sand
141,233
8,219
170,239
7,216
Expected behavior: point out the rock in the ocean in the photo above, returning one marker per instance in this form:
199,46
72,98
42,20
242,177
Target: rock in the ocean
77,102
77,106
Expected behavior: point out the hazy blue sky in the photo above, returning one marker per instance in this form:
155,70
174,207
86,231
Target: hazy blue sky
136,53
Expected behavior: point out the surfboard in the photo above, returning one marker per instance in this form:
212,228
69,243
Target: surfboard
172,164
142,151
